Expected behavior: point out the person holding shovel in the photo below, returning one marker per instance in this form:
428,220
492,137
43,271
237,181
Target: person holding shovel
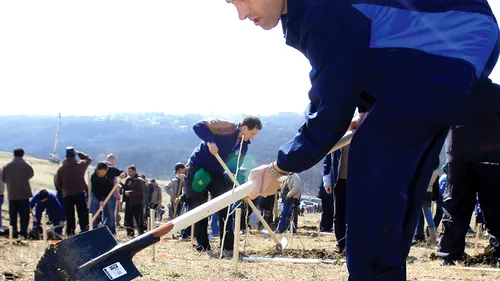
205,174
418,59
176,190
102,183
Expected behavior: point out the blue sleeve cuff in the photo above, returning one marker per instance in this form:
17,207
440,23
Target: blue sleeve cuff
327,180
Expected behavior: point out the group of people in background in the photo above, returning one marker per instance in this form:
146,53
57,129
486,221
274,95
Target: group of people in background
203,178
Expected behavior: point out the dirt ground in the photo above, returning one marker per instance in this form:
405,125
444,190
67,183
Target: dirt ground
179,261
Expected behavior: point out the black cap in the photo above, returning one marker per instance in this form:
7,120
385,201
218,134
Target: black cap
70,152
179,166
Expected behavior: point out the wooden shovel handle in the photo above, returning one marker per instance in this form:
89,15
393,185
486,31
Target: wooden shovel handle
178,194
104,204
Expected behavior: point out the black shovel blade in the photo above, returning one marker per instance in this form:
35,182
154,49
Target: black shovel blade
62,261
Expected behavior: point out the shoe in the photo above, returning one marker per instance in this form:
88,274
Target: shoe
227,254
471,231
212,237
448,262
201,248
339,250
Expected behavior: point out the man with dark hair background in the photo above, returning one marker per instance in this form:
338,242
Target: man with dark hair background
45,200
223,138
16,174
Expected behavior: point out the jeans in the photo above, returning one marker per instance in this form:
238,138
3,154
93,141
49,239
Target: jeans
21,207
214,224
285,215
428,216
108,213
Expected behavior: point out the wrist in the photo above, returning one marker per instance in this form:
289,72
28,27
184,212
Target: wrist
278,173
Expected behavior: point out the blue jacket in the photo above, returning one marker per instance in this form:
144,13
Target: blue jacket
412,55
225,135
52,205
330,175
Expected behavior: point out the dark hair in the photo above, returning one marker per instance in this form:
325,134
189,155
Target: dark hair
101,166
43,194
252,122
179,166
18,152
132,167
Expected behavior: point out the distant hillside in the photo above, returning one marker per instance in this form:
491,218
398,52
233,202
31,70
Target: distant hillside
154,142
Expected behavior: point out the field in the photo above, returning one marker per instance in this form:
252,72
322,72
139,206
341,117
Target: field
179,261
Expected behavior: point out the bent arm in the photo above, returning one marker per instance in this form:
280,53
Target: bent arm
335,90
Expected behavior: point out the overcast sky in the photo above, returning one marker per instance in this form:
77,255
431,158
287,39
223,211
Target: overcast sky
100,57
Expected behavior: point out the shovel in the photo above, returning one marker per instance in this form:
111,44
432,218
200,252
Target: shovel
97,255
280,245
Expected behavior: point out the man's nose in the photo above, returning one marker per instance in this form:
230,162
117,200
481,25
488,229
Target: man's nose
242,11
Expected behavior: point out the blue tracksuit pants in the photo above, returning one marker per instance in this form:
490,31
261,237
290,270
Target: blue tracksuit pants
391,160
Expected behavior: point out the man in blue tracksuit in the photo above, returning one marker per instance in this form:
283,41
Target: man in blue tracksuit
223,138
45,200
413,57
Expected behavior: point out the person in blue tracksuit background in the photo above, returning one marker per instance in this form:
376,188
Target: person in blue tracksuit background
331,164
225,139
45,200
412,57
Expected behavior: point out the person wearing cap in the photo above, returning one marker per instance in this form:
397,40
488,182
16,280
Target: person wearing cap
418,60
183,202
16,175
205,174
176,191
45,200
70,178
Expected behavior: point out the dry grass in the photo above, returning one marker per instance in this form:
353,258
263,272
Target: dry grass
179,261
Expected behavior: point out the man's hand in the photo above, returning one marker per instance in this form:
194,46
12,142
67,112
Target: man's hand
328,189
177,200
101,203
122,176
263,181
212,147
127,192
182,177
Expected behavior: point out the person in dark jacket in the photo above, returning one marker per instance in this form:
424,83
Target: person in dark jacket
331,165
70,178
473,167
45,200
335,183
223,138
102,183
133,190
16,174
418,60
